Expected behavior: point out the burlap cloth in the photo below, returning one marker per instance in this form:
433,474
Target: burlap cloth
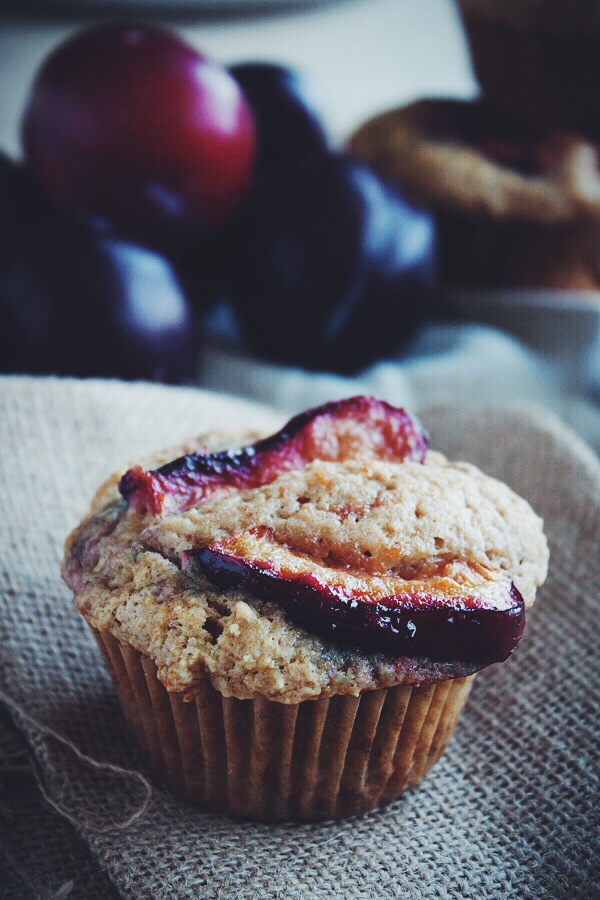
511,810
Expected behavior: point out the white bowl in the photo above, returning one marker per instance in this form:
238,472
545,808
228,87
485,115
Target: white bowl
562,325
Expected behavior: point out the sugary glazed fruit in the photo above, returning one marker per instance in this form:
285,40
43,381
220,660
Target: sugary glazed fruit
446,610
357,428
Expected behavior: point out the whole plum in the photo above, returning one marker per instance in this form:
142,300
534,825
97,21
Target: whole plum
288,125
75,303
130,127
330,269
21,206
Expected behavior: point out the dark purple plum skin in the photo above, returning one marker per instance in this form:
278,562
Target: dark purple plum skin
77,303
22,205
287,124
329,268
446,631
193,477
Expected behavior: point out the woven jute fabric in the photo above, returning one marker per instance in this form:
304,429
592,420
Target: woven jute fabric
511,810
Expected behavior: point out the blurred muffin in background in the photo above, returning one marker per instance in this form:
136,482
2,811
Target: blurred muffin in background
538,60
516,205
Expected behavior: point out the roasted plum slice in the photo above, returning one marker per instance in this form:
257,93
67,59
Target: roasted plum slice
356,428
453,610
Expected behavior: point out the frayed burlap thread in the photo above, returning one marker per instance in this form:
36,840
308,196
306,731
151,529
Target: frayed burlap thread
511,809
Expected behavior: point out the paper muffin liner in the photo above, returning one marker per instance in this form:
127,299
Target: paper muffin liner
270,761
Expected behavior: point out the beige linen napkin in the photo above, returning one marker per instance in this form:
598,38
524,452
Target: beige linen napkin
511,810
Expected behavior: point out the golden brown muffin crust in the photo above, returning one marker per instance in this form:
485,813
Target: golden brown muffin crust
123,569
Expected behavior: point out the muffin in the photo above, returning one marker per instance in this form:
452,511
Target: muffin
293,627
516,206
538,60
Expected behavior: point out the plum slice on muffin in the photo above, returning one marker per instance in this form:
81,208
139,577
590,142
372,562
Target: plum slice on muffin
356,428
445,609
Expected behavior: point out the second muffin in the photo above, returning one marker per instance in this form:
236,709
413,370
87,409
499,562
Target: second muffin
515,206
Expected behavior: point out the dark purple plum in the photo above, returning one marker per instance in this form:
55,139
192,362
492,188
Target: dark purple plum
201,264
21,207
356,428
475,615
329,268
288,126
74,303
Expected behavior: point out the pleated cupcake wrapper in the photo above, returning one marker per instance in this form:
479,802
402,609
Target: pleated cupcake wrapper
269,761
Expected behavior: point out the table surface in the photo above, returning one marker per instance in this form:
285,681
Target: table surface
362,56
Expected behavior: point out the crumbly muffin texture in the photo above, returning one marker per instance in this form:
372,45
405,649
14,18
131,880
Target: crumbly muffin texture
373,517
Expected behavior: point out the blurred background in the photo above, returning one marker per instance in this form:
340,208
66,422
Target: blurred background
363,56
297,201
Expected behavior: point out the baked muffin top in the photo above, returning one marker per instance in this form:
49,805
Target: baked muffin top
365,518
464,157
